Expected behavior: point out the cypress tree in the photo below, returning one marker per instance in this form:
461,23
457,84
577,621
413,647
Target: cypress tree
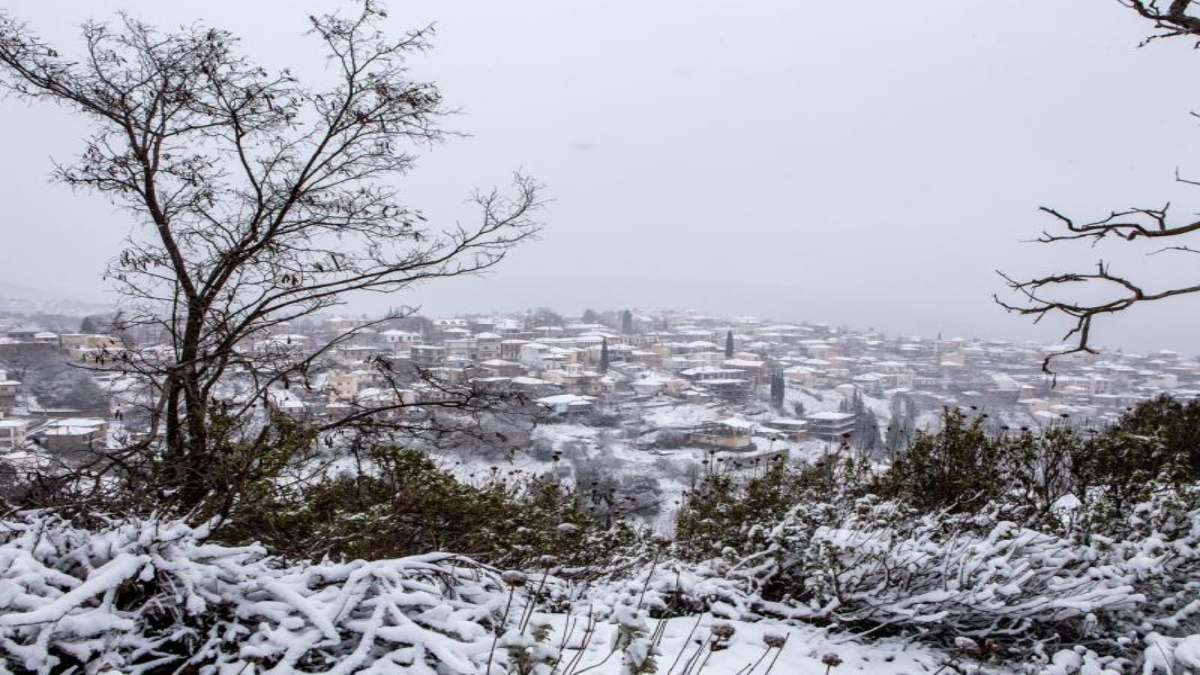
604,355
777,390
627,322
729,344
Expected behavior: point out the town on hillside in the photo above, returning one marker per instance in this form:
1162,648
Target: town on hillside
651,396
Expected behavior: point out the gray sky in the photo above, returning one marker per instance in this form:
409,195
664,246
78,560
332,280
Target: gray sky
801,160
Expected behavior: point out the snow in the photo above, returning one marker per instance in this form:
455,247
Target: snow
680,416
688,638
139,595
565,399
830,416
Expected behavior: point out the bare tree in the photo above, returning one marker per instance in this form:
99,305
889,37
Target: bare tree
263,201
1040,297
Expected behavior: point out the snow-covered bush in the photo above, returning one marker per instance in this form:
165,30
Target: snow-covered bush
1030,545
407,504
137,596
731,512
149,597
884,566
1171,656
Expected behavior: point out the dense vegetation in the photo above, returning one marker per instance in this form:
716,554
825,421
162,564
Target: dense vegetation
1087,536
1061,545
1026,541
407,505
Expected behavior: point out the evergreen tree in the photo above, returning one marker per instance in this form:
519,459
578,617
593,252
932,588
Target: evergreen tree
866,431
900,431
627,322
894,437
590,316
777,390
604,355
729,344
866,425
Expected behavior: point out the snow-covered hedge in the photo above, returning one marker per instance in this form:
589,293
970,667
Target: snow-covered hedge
877,564
145,596
148,597
134,596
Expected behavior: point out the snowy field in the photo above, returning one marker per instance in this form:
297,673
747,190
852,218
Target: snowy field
686,647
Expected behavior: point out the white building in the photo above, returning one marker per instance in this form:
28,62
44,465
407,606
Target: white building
12,433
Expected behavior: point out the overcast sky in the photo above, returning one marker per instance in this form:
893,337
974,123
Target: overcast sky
867,165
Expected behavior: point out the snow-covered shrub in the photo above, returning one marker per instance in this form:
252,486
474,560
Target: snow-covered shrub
406,504
137,596
731,513
961,467
1029,541
672,588
885,566
1171,656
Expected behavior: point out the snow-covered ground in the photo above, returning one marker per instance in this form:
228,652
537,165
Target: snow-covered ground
100,597
807,650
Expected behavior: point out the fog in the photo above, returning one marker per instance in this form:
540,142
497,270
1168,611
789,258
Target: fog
867,165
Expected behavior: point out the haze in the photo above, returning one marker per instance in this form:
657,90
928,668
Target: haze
865,165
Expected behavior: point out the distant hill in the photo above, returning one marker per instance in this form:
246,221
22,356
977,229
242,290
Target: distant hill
21,299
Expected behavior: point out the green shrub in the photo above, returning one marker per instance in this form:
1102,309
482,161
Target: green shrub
405,504
1020,475
730,511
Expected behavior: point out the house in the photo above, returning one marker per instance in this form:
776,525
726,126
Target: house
870,383
282,344
753,370
74,434
654,384
510,350
400,340
731,434
502,368
727,383
492,385
428,356
819,349
707,373
8,391
534,355
351,355
532,386
791,429
11,348
81,345
344,386
288,403
830,426
12,433
487,346
463,348
803,377
568,405
481,325
578,381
